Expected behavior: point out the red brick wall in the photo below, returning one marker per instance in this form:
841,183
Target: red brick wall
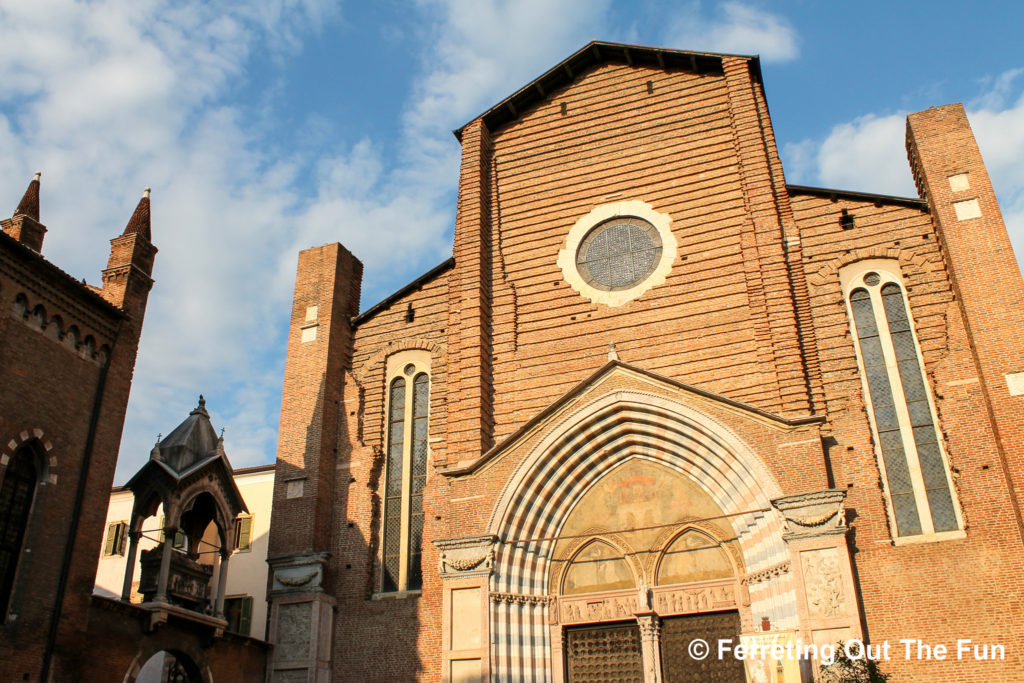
752,310
49,397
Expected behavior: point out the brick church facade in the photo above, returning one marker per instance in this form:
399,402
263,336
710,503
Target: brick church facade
657,395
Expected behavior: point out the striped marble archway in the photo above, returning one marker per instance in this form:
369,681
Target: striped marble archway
576,453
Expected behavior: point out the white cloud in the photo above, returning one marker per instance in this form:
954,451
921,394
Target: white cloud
109,96
869,153
866,155
480,52
735,28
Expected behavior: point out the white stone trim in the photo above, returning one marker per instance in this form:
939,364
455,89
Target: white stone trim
567,255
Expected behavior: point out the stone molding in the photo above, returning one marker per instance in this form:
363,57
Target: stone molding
809,515
298,573
465,557
768,573
517,599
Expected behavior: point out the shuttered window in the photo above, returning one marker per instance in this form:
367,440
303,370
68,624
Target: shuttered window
243,533
117,535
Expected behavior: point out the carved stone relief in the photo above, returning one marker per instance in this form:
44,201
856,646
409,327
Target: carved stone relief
298,574
809,515
464,557
823,583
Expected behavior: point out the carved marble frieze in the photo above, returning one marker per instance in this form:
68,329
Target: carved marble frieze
809,515
298,573
706,596
466,557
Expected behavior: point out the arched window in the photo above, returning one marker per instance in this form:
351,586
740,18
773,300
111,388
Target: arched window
903,419
405,473
16,493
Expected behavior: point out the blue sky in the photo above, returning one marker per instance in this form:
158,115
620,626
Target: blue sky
269,126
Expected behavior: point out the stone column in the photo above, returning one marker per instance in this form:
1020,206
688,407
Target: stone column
222,582
650,643
165,564
129,571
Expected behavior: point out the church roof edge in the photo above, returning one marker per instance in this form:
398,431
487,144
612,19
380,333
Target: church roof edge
600,52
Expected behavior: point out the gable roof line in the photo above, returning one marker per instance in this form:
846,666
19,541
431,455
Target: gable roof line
576,390
829,193
387,301
600,52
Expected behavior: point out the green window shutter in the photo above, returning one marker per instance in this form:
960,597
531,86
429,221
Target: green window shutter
243,533
108,549
245,619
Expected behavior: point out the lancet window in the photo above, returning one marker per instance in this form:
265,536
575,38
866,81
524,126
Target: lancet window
903,418
405,475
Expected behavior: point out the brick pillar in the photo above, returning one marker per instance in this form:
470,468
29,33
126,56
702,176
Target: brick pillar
771,245
327,288
951,176
471,416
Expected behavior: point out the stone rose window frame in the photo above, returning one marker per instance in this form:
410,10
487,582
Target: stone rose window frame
656,223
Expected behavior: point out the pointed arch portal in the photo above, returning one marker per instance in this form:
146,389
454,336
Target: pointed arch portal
630,489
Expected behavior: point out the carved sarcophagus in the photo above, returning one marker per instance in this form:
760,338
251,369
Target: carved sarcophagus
188,582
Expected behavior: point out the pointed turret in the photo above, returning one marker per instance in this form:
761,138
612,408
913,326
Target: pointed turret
24,225
29,204
131,259
139,222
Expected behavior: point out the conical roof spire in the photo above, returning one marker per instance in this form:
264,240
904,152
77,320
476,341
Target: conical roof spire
29,204
139,223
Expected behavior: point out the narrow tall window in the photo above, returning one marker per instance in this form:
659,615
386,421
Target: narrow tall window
916,474
405,477
16,493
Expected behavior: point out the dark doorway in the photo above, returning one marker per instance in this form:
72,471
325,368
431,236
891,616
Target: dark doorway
595,654
677,664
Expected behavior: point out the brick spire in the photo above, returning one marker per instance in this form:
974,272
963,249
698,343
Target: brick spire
139,223
29,205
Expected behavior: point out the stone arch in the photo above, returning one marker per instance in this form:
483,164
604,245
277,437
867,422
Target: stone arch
614,542
376,361
38,317
191,657
829,272
218,512
55,328
43,447
729,553
20,306
582,448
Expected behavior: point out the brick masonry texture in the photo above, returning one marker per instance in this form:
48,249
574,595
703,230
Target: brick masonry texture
752,312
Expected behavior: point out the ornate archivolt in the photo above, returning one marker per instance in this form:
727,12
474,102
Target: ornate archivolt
637,472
